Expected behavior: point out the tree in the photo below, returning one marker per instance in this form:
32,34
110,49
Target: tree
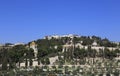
59,48
26,63
31,62
47,61
30,55
4,59
16,54
42,61
109,54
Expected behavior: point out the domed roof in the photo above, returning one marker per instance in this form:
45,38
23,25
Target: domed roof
94,43
32,43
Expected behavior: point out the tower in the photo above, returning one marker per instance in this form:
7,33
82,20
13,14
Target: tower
33,45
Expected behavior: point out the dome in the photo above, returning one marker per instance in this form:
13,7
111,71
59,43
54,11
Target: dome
94,44
32,43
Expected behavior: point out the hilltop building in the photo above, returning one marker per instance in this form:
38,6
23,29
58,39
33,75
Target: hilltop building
60,36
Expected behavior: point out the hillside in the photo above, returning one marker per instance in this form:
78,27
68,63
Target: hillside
61,50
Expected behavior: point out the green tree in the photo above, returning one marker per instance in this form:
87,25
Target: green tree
47,61
4,58
17,52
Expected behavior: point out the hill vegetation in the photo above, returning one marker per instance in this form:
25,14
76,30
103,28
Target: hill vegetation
12,56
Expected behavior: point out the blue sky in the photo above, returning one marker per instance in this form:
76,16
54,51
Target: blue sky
26,20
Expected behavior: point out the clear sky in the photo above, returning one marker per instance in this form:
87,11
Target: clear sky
26,20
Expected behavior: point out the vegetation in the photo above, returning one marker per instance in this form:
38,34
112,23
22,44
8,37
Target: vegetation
12,56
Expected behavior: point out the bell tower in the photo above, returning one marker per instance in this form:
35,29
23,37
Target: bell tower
33,45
